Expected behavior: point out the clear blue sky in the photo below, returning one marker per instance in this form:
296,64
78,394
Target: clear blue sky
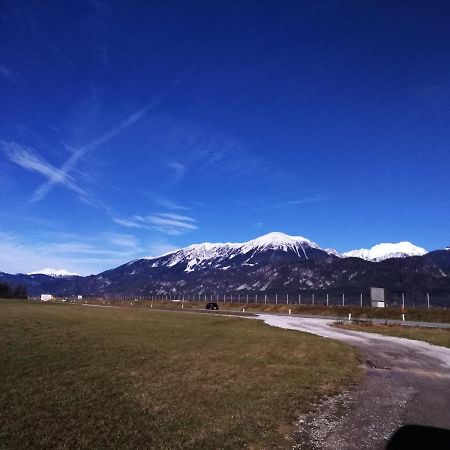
131,128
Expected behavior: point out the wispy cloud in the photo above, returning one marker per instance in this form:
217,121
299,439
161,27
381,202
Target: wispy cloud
171,205
179,171
292,203
26,158
167,223
6,73
75,253
78,153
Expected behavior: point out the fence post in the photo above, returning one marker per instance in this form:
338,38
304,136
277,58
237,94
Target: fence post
428,300
313,299
287,299
276,299
247,298
327,299
256,298
361,298
299,299
265,299
403,302
343,299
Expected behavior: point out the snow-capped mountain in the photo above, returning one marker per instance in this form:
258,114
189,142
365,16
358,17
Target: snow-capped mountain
226,255
273,263
54,272
383,251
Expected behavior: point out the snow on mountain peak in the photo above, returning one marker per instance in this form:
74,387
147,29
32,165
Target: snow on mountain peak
384,251
214,255
53,272
279,241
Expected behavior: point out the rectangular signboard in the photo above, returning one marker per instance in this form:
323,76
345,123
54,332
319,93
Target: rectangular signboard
377,297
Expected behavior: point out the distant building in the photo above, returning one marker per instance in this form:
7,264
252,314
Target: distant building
46,297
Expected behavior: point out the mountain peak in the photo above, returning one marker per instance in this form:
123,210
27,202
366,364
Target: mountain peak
276,237
53,272
386,250
278,241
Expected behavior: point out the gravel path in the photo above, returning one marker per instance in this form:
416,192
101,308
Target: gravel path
406,382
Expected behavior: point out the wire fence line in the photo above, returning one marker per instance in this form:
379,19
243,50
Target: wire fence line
416,300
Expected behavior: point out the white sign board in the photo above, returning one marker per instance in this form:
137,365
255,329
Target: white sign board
377,297
80,297
46,297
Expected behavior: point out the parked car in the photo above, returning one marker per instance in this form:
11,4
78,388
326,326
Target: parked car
213,306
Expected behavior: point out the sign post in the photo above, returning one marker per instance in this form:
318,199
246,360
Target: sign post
377,297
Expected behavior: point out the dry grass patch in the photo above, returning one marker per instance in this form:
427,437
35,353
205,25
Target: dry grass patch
436,336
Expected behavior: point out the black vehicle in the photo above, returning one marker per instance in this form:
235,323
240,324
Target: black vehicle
213,306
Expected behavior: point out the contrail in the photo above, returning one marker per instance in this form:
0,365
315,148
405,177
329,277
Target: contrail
78,153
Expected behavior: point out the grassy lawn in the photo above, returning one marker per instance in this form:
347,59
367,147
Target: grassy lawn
76,376
436,336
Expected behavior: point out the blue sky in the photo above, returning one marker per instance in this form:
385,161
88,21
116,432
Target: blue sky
128,129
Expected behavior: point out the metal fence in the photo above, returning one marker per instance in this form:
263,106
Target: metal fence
411,300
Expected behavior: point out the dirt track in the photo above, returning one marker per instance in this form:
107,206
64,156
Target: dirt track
406,382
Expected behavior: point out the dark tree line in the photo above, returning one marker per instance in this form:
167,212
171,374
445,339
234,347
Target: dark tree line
7,291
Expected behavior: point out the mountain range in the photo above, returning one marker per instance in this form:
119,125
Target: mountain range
273,263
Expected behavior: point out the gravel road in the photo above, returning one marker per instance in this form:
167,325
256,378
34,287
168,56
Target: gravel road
406,382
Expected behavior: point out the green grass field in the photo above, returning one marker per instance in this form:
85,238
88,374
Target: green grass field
436,336
76,376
